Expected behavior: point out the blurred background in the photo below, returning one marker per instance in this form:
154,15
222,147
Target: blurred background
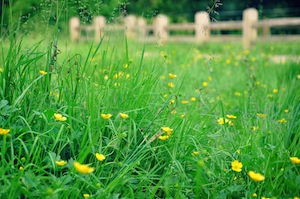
34,14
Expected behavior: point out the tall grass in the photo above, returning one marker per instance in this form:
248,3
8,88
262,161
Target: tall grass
83,81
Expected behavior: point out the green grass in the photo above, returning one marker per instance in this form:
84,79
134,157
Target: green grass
86,80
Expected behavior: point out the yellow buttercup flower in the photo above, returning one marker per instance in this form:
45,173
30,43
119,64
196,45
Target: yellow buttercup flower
238,94
171,85
172,101
195,153
275,90
1,69
236,166
59,117
295,160
21,168
286,110
261,115
106,116
83,168
42,72
282,120
204,84
231,116
124,115
163,137
223,121
254,195
172,76
60,163
4,131
193,99
184,102
100,156
256,176
167,130
86,195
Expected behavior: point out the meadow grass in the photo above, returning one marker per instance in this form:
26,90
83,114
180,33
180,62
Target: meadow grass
221,104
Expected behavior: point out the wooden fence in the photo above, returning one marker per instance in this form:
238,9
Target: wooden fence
137,28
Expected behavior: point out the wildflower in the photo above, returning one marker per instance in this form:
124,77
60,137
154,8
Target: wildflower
171,85
204,84
60,163
275,90
42,72
261,115
1,70
4,131
21,168
83,168
195,153
172,101
238,151
184,102
282,169
238,94
86,195
59,117
100,156
298,76
106,116
228,61
265,198
231,116
163,137
193,99
236,166
173,112
172,76
127,76
105,77
295,160
225,121
256,176
254,128
182,115
286,110
124,115
167,130
254,195
282,120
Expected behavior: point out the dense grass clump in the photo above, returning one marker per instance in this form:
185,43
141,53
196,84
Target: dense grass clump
120,119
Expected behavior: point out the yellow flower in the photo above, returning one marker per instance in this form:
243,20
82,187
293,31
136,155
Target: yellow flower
256,176
167,130
60,163
204,84
236,166
100,156
254,128
286,110
193,99
195,153
105,77
275,90
182,115
172,76
59,117
4,131
86,195
106,116
21,168
238,94
184,102
231,116
163,137
1,69
124,115
223,121
295,160
261,115
171,85
282,120
83,168
254,195
42,72
174,112
265,198
298,76
172,101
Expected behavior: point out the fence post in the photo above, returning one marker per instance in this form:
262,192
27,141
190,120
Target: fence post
99,25
74,26
250,17
142,28
130,26
202,30
160,24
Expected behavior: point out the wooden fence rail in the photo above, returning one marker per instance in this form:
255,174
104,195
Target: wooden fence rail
137,28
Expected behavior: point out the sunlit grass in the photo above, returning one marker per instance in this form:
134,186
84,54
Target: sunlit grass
121,119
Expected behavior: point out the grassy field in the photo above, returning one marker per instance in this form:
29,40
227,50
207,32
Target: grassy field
121,119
